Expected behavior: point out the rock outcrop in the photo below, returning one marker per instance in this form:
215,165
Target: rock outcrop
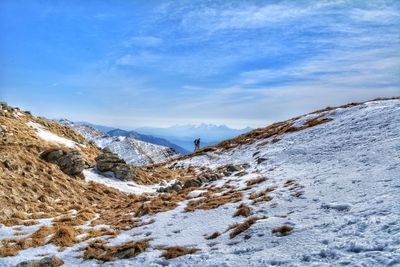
45,262
70,163
110,162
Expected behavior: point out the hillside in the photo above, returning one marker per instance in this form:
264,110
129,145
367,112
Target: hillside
127,147
320,189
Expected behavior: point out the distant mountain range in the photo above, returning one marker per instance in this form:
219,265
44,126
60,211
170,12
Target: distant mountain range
183,135
127,146
148,139
111,131
179,137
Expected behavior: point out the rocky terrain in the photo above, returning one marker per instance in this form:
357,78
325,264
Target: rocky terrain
320,189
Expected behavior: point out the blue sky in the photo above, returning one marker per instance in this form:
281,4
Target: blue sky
160,63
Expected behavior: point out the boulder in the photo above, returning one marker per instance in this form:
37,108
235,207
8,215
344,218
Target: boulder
107,161
192,183
44,262
72,163
52,155
124,171
110,162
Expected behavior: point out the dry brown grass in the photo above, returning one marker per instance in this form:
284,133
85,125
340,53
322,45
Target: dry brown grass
92,233
98,250
213,201
283,230
261,196
213,235
243,210
177,251
11,247
31,188
256,180
64,236
241,227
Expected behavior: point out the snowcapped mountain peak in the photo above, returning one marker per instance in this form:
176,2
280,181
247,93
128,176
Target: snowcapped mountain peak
129,148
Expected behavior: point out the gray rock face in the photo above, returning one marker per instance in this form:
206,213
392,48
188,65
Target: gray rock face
110,162
45,262
70,163
53,156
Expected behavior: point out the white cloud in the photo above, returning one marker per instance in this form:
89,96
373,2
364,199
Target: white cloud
143,41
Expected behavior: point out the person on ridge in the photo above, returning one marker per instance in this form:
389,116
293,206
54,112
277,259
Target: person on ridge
196,144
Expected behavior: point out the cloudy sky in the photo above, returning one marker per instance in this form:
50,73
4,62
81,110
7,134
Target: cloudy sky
160,63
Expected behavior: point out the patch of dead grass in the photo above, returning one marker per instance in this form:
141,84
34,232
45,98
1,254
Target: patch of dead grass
257,180
241,227
177,251
213,201
282,230
64,236
98,250
213,235
243,210
261,196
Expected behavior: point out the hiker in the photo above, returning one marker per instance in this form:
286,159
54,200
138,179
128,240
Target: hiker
196,144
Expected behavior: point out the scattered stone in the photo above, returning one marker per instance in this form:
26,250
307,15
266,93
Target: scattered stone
45,262
192,183
230,169
260,160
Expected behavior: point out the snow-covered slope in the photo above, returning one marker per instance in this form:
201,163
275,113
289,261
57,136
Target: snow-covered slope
333,185
130,149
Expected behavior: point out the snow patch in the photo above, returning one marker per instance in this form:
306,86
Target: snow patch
126,187
51,137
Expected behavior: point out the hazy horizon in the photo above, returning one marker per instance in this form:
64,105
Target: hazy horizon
132,64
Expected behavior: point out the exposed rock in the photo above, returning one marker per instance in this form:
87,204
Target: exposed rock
230,169
125,171
3,130
233,168
70,163
110,162
192,183
195,182
260,160
45,262
52,155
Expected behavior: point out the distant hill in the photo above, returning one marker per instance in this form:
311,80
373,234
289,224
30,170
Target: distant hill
148,138
183,135
142,137
101,128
